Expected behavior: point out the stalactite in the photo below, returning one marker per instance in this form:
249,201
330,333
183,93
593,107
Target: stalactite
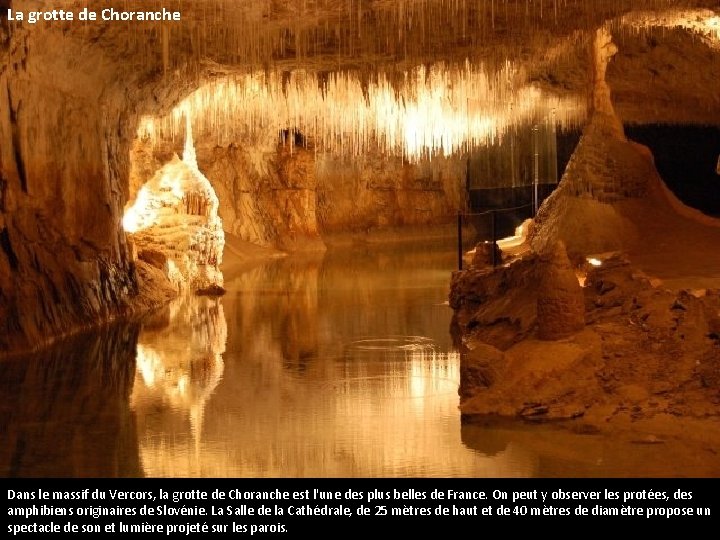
260,32
415,107
439,110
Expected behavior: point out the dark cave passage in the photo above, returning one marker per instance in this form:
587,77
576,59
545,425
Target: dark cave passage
686,158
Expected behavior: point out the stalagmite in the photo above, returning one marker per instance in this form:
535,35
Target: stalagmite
601,110
174,223
560,303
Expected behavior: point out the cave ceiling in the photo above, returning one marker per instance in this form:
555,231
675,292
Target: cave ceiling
664,72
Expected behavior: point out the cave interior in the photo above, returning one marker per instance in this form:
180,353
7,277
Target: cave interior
142,162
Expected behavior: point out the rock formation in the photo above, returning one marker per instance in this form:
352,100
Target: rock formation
604,169
294,199
625,348
486,254
73,95
560,303
267,193
499,305
380,192
64,261
174,223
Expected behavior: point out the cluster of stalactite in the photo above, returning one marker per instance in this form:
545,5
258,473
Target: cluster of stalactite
257,32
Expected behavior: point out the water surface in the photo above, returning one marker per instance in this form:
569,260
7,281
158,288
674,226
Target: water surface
339,365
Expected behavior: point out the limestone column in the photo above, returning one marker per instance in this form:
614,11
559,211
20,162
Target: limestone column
600,108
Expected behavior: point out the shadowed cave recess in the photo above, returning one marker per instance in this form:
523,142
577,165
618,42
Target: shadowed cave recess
149,163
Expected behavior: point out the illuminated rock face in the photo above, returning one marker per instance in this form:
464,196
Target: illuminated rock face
64,160
380,192
174,224
267,193
605,169
296,200
299,200
64,262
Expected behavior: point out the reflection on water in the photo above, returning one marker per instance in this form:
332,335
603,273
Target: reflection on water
331,366
560,453
339,365
66,412
179,365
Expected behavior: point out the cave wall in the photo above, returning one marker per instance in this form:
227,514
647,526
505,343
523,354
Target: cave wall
665,75
68,115
660,75
266,193
237,180
290,199
63,260
378,192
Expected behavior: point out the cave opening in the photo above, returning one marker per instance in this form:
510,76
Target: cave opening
293,137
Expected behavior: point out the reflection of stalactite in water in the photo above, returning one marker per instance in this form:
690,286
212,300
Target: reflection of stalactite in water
307,397
180,365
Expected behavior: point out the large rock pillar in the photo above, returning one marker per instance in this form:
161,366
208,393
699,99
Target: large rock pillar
605,169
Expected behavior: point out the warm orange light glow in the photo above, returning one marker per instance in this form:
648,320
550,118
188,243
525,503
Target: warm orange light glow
176,213
178,368
439,110
713,26
518,239
702,22
146,211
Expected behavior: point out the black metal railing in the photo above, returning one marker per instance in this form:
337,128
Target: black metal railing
493,229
